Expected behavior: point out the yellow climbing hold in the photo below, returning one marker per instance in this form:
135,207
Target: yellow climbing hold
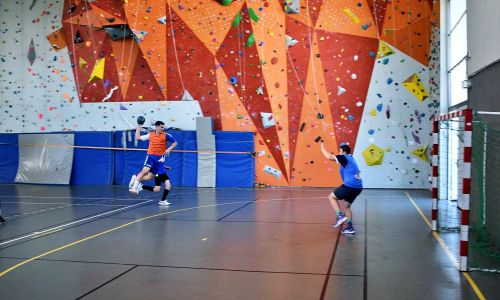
98,71
421,152
415,86
384,50
373,155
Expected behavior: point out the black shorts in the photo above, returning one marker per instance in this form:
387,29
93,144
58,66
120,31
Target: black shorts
161,178
346,193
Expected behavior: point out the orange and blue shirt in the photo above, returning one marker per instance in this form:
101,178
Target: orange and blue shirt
158,142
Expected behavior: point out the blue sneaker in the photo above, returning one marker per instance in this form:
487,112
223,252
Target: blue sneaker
340,219
348,230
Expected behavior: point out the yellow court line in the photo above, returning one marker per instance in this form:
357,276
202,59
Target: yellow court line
436,235
443,245
474,286
5,272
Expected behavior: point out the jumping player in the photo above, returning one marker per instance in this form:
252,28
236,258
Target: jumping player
154,166
349,190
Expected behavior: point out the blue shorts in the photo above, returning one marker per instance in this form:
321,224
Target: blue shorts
155,167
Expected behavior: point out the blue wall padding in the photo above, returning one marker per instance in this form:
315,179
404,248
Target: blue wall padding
190,163
174,160
128,162
93,166
119,158
9,155
104,167
235,170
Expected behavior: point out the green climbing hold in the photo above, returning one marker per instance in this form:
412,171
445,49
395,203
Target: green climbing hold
250,40
253,15
237,20
225,2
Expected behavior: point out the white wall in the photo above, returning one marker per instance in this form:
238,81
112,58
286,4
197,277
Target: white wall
395,132
483,33
42,97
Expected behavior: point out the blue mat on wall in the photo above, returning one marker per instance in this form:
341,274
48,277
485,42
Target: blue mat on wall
105,167
232,170
190,161
93,166
235,170
9,152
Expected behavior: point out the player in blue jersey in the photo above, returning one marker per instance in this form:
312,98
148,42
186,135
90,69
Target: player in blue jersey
349,190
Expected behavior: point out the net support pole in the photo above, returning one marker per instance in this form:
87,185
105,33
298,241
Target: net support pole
435,173
466,189
485,152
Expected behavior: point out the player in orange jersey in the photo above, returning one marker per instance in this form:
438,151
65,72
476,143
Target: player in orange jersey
154,165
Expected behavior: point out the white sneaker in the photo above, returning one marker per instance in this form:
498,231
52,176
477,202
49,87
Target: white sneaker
132,181
137,189
164,203
340,219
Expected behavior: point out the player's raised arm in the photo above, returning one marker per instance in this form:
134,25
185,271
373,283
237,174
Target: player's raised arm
327,154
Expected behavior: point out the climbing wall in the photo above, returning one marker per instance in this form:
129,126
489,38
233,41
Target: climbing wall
293,72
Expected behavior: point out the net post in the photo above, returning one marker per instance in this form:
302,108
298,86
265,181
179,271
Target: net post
466,189
435,172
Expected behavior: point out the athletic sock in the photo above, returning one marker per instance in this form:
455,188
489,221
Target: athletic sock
147,187
349,222
165,193
339,212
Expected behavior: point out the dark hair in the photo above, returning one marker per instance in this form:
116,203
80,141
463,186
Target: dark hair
345,148
159,123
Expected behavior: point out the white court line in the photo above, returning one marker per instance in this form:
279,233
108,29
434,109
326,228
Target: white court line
36,212
51,209
138,199
64,197
62,203
36,203
72,223
130,206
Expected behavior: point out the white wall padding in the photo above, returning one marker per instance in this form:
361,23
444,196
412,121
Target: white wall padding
42,162
205,140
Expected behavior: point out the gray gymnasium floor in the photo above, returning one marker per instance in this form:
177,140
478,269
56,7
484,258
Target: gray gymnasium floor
64,242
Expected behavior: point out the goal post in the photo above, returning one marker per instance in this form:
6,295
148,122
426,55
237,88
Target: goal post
465,186
461,122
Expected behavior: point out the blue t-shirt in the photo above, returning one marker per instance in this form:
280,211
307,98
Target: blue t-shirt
349,171
170,138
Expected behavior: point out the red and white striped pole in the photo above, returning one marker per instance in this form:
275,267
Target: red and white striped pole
435,171
466,187
466,180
